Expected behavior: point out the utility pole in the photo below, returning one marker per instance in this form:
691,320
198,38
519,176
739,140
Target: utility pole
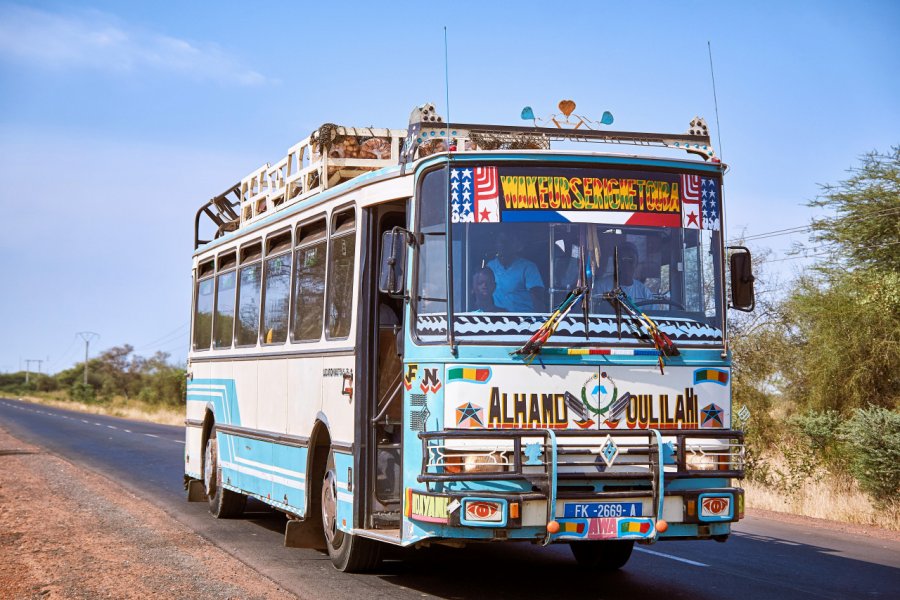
28,362
87,336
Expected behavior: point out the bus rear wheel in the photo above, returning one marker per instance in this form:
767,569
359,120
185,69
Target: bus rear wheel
223,503
349,553
602,555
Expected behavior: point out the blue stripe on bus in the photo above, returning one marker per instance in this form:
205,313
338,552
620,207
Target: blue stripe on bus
223,396
343,465
270,471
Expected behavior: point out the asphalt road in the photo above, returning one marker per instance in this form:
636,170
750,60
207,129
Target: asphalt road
763,558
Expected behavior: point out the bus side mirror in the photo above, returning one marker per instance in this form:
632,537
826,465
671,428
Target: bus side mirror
391,277
742,297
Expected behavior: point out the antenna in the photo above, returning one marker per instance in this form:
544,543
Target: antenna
450,337
447,84
715,99
712,75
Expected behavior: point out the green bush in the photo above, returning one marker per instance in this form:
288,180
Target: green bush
82,393
873,437
819,428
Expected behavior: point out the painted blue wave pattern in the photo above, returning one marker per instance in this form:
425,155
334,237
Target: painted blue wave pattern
221,393
515,328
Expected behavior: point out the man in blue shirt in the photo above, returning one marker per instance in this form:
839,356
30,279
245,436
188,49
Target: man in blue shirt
519,284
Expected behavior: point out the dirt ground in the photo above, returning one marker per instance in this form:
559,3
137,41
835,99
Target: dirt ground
67,533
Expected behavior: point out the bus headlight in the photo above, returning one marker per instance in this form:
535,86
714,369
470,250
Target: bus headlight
475,462
698,460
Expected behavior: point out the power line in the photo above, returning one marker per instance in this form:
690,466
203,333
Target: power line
776,233
827,253
180,345
165,338
63,356
806,228
800,256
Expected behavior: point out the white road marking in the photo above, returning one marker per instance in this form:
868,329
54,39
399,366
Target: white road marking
85,421
127,431
178,441
151,435
112,426
669,556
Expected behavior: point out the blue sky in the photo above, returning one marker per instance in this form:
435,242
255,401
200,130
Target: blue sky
117,120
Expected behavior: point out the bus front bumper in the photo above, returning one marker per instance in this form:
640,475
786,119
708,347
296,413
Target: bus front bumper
571,485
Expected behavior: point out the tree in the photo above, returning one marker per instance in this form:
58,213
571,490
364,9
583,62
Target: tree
845,319
117,372
760,347
847,339
865,226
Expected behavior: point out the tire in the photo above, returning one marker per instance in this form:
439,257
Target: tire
223,503
602,555
349,553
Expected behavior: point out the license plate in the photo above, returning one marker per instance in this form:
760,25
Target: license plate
594,510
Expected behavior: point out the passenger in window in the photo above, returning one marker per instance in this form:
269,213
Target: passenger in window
519,284
483,286
629,259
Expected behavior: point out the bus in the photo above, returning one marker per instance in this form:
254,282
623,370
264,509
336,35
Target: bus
462,333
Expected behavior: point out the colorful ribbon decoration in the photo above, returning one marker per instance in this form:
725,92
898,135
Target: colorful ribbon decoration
663,343
533,346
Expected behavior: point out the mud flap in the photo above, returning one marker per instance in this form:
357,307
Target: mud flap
304,534
195,491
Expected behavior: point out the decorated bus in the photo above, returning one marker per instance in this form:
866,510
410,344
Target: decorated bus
460,333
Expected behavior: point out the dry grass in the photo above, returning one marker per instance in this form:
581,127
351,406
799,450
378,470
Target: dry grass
823,496
118,407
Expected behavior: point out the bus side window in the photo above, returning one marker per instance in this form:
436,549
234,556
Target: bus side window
276,288
204,295
247,323
341,257
223,322
309,281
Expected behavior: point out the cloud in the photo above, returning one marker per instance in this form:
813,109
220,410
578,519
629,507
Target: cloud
99,41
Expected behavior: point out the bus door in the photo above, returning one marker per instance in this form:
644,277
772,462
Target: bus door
386,400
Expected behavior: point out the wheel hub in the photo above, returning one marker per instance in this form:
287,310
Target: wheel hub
209,468
329,510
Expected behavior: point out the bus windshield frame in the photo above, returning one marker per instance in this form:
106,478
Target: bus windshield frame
509,270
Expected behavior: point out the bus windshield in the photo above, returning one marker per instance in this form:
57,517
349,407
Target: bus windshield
510,271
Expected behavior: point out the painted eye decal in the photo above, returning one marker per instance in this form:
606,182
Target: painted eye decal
483,511
715,506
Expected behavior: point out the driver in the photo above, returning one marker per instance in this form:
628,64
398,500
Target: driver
628,262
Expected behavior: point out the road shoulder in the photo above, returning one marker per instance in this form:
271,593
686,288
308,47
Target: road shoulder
838,526
66,532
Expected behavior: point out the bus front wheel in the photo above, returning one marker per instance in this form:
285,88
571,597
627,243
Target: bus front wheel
349,553
602,555
223,503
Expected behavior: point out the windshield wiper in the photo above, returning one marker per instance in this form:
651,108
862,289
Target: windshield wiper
621,301
533,346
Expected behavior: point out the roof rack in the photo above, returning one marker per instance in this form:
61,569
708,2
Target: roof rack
426,130
222,210
333,154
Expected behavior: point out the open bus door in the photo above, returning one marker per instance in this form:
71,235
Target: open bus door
381,351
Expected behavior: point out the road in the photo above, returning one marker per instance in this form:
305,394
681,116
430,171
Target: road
763,558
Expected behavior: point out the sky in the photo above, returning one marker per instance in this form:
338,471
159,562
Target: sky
119,119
